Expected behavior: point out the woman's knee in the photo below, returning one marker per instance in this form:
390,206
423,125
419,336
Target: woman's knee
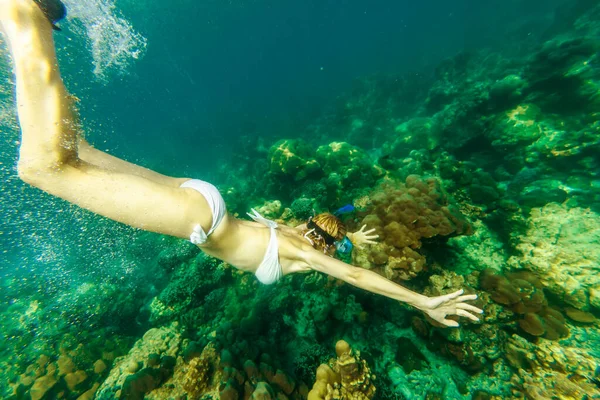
38,172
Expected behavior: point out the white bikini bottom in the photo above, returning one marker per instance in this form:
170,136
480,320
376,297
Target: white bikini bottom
269,271
216,204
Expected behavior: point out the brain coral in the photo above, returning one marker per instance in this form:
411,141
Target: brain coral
562,246
403,214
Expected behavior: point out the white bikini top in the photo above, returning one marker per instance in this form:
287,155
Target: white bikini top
269,271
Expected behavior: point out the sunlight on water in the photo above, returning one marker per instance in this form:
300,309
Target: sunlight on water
114,43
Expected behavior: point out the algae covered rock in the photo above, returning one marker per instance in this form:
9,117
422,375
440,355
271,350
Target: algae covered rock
293,158
565,65
562,247
351,163
416,133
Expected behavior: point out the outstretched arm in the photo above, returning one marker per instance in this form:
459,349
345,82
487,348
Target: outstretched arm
437,308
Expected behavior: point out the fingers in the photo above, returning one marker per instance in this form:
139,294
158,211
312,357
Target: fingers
454,295
362,229
469,307
449,323
466,314
467,297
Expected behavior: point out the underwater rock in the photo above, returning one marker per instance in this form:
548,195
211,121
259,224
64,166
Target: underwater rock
507,90
481,250
542,192
416,133
564,64
562,248
518,127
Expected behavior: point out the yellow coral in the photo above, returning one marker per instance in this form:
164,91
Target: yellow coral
348,377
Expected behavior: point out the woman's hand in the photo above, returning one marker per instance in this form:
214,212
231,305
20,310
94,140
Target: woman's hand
362,237
438,308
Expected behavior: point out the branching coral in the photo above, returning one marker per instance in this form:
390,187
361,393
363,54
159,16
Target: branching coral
403,214
346,378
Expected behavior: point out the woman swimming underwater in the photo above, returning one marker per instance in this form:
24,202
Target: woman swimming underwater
53,158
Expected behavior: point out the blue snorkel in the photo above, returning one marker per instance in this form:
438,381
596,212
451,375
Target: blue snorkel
344,246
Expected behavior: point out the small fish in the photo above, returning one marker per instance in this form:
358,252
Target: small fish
54,10
348,208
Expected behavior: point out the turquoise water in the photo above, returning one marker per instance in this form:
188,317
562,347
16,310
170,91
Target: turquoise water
465,134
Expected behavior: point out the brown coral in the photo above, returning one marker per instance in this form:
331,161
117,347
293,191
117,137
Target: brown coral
403,214
523,294
348,377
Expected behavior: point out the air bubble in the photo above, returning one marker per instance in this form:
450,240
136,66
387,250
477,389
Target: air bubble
113,41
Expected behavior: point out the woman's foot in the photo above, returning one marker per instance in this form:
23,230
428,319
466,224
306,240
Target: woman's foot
54,10
24,12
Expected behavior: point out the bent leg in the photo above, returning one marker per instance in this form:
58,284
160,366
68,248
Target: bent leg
48,124
48,155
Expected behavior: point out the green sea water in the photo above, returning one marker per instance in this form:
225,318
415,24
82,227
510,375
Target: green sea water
467,135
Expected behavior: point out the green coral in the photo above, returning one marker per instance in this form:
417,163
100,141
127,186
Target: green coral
293,158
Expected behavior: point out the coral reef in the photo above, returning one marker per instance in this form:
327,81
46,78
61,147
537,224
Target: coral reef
347,377
506,139
164,365
76,371
562,247
546,370
147,365
404,215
